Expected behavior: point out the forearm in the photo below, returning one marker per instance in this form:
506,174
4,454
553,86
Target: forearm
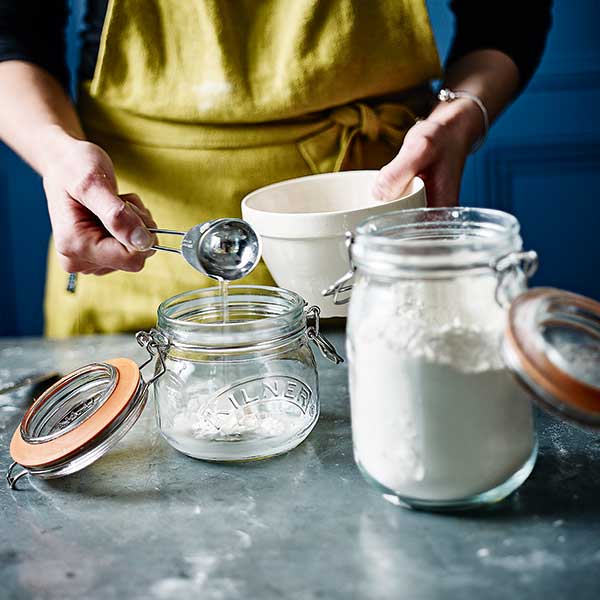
489,74
36,117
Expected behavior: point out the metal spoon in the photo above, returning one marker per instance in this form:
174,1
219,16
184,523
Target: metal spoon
224,249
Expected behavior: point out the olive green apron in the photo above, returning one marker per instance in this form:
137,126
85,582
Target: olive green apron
200,102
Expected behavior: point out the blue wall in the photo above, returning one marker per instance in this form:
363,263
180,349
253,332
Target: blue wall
541,162
26,228
25,231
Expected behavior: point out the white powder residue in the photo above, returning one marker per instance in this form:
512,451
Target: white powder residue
435,414
227,415
233,425
534,560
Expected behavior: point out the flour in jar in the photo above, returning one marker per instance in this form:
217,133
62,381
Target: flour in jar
435,414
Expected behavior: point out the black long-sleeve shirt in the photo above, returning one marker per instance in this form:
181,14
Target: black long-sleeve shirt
34,31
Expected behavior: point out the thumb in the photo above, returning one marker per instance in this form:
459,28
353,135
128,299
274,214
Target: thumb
117,216
414,158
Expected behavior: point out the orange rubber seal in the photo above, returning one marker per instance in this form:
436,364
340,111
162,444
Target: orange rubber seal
535,364
47,453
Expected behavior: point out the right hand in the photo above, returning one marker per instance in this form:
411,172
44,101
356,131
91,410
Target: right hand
96,230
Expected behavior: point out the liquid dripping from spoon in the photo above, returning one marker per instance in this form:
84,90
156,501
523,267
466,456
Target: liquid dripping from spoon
224,292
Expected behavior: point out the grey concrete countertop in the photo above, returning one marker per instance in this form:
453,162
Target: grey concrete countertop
145,522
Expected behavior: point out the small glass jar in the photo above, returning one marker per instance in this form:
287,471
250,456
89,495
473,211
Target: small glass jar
240,379
438,421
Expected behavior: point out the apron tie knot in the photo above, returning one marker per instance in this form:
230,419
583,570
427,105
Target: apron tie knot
359,118
347,129
369,122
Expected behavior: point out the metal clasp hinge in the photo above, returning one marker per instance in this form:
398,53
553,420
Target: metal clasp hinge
327,349
156,344
341,286
515,265
11,479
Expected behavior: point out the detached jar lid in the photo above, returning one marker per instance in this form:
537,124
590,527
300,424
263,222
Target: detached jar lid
82,416
552,345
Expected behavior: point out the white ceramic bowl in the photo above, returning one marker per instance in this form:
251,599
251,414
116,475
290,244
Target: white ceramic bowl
303,222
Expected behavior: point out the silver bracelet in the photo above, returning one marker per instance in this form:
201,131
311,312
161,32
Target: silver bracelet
446,95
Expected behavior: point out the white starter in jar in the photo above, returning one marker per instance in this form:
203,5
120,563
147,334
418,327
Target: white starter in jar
436,416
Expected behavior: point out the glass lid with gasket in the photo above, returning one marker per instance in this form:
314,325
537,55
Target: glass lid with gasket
82,416
552,346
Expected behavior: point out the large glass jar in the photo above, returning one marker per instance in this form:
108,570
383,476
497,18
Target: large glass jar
437,419
240,378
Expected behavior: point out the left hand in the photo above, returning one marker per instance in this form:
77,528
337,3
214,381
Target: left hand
436,150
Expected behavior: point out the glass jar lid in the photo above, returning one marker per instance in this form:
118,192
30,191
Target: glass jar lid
78,419
552,345
82,416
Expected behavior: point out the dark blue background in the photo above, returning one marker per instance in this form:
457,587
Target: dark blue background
541,162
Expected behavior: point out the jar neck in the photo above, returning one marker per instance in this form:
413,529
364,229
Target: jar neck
435,242
257,316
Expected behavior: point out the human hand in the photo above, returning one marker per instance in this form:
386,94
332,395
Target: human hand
96,230
436,150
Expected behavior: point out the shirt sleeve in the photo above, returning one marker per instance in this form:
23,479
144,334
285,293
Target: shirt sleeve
34,31
518,28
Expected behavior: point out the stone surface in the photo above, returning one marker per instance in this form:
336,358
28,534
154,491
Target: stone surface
145,522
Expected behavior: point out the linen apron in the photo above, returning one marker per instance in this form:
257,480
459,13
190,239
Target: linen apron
200,102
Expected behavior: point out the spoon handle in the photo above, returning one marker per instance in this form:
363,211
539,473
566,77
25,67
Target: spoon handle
166,232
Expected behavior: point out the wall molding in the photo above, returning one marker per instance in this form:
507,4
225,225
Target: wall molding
503,161
566,68
564,82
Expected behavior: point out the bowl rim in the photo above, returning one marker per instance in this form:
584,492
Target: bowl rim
319,224
416,181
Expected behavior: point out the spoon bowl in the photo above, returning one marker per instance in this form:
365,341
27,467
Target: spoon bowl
222,249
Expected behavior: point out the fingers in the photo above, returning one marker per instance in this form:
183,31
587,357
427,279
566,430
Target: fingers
101,272
96,190
83,244
419,150
136,204
95,230
98,272
139,207
91,249
118,217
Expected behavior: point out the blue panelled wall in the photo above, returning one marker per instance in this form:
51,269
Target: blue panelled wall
541,162
542,159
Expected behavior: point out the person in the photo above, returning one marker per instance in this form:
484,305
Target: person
185,107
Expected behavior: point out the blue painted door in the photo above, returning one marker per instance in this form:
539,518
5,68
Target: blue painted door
541,162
